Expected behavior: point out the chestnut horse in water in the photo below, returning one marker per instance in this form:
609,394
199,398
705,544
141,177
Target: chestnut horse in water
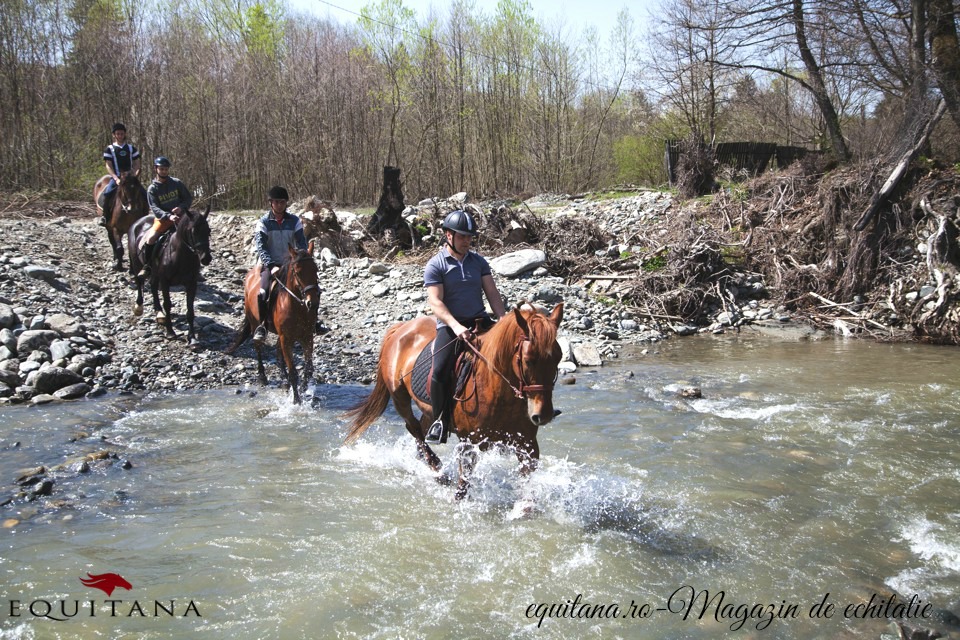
507,397
129,205
294,316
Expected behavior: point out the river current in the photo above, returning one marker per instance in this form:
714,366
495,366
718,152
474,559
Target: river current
810,484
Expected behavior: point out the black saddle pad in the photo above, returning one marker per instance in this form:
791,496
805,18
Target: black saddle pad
423,370
420,376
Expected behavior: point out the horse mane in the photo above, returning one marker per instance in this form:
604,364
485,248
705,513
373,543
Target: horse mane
502,339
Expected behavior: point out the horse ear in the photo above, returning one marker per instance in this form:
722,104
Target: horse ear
207,212
556,316
521,321
310,247
292,250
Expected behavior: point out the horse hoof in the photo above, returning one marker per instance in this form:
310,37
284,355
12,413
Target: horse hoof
161,319
138,310
522,509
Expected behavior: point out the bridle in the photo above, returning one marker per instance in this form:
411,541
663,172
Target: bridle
189,239
524,387
304,290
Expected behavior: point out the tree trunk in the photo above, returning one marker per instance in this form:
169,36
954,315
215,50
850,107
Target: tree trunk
824,103
945,51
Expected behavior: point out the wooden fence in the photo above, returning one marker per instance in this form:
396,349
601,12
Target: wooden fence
754,157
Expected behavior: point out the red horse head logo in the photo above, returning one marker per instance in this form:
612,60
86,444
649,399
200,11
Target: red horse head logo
106,582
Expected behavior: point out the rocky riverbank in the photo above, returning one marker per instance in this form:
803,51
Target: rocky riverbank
67,329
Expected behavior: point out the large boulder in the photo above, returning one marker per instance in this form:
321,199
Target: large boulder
30,341
513,264
587,355
55,378
67,326
8,319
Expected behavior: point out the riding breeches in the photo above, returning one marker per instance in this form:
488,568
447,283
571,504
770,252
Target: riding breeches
159,226
265,281
444,353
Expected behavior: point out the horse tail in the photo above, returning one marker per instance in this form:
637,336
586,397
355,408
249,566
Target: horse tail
242,335
369,410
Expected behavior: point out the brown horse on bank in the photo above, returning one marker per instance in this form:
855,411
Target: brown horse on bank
293,317
505,400
129,205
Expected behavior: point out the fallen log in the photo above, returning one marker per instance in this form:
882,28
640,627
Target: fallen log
901,168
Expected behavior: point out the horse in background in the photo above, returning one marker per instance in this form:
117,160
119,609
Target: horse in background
129,205
293,317
507,397
185,248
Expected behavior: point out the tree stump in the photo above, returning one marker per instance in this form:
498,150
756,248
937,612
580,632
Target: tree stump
389,212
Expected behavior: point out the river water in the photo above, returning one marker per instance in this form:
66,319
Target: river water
809,473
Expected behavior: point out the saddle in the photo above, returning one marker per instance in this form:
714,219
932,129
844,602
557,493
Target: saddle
157,248
464,361
273,292
423,371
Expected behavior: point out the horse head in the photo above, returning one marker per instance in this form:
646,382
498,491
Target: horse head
194,231
130,193
536,359
302,277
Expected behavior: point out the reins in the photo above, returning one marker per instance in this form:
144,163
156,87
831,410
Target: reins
520,392
303,290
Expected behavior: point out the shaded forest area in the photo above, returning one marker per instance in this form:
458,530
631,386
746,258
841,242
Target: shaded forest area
242,95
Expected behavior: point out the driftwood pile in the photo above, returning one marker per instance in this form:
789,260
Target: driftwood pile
789,236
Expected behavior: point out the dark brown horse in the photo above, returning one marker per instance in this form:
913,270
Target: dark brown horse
294,316
177,263
129,205
508,396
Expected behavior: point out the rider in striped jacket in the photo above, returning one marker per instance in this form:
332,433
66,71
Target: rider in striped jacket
277,230
120,158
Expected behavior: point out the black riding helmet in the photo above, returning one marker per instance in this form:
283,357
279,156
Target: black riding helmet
277,193
118,126
161,161
461,222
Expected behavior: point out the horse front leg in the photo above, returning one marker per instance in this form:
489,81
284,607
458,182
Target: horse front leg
261,374
138,307
288,367
191,291
116,243
467,458
529,456
307,346
167,321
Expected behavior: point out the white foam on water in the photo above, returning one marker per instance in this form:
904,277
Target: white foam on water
932,543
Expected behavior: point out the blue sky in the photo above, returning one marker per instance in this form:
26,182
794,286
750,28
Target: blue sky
575,15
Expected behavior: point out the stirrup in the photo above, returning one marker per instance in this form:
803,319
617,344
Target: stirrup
144,271
260,334
101,221
436,433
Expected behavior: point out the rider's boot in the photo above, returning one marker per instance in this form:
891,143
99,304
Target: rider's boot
260,335
437,432
106,204
147,261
